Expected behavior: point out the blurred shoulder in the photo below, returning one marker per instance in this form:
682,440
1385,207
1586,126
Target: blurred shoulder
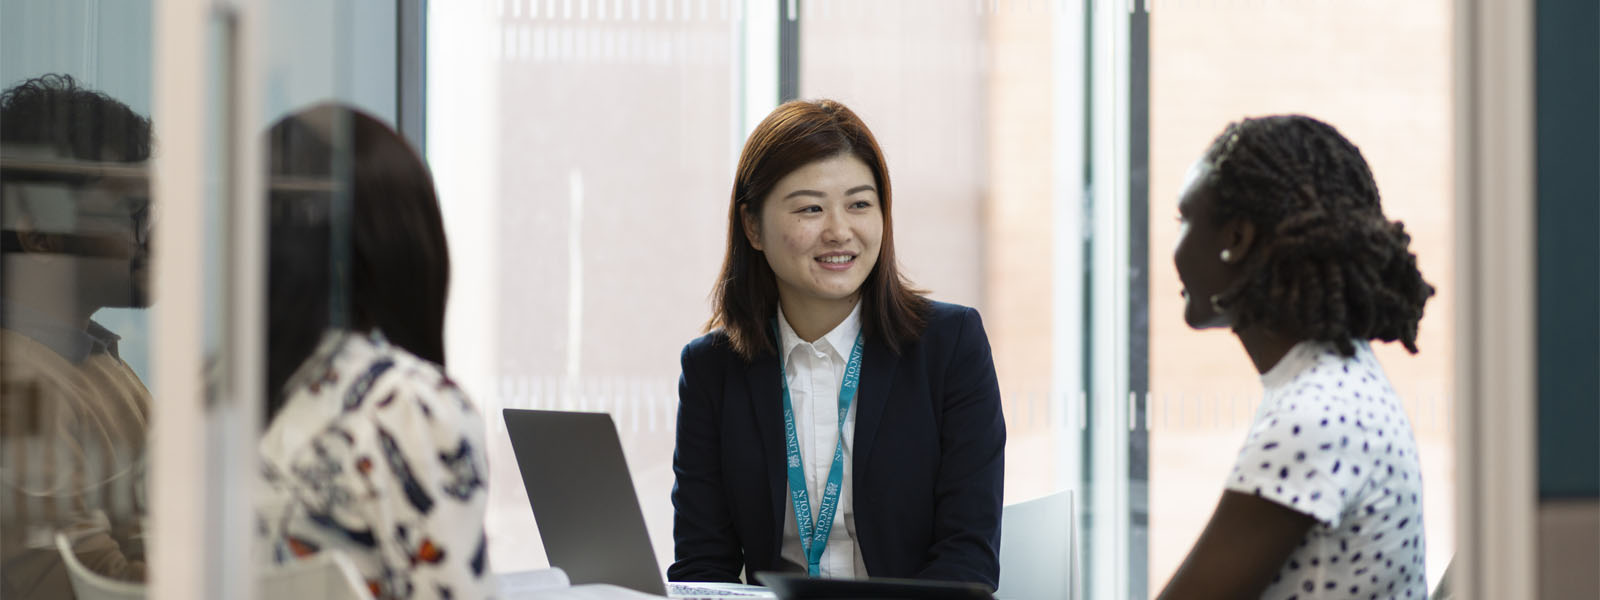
363,373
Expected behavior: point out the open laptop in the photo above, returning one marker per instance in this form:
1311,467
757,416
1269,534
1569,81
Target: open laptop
585,506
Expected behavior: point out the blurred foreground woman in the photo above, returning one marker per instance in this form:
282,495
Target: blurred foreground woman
370,450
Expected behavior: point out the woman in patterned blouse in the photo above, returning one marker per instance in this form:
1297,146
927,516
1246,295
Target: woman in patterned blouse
370,449
1284,242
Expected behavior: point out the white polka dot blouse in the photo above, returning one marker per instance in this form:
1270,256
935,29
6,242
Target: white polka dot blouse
1332,441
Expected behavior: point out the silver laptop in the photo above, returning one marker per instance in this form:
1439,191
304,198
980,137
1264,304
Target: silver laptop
585,506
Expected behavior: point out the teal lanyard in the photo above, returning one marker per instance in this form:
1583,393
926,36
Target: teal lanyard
814,541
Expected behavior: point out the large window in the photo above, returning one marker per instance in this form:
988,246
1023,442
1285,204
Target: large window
961,101
605,180
601,188
585,152
1380,72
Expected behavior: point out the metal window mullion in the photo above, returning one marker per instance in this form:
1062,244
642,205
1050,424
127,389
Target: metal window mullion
1494,364
1109,506
1137,284
235,421
178,563
411,77
788,50
1069,90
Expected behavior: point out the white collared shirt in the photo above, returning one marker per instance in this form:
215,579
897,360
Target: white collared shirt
815,371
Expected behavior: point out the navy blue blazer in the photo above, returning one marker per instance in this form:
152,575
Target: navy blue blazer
929,458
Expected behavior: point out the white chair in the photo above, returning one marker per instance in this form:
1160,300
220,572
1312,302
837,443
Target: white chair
325,576
322,576
1038,539
89,585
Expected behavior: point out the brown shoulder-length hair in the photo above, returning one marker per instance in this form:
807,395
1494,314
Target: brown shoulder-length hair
745,298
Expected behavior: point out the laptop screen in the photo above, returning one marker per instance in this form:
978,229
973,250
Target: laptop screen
583,498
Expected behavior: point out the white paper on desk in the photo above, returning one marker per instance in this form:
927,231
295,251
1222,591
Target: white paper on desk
525,582
592,591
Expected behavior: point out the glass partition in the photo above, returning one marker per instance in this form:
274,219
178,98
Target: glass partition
76,226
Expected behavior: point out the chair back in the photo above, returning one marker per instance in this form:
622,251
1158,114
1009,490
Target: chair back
1038,542
89,585
325,575
1446,590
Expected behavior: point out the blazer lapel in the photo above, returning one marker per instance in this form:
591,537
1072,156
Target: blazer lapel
877,374
766,400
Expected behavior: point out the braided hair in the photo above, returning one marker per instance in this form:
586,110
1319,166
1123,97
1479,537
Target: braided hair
1329,266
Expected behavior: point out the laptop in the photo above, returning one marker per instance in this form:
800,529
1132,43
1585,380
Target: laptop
585,506
799,587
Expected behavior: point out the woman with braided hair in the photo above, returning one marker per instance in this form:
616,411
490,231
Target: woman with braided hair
1284,242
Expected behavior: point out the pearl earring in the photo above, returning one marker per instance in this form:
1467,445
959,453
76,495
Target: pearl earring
1227,256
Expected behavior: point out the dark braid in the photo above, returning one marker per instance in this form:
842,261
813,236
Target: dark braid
1327,264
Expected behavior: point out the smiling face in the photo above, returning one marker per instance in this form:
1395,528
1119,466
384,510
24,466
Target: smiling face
820,230
1198,255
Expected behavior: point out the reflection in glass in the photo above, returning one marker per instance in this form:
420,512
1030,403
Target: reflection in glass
76,239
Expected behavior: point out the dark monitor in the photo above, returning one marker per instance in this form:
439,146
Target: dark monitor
800,587
583,498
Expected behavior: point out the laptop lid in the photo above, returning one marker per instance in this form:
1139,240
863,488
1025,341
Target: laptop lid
583,498
790,586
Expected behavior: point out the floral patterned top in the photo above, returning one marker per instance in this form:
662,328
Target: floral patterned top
377,454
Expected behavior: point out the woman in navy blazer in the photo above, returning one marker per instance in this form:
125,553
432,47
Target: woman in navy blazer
810,238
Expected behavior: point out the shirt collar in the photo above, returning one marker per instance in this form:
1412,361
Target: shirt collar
841,340
1301,357
70,342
